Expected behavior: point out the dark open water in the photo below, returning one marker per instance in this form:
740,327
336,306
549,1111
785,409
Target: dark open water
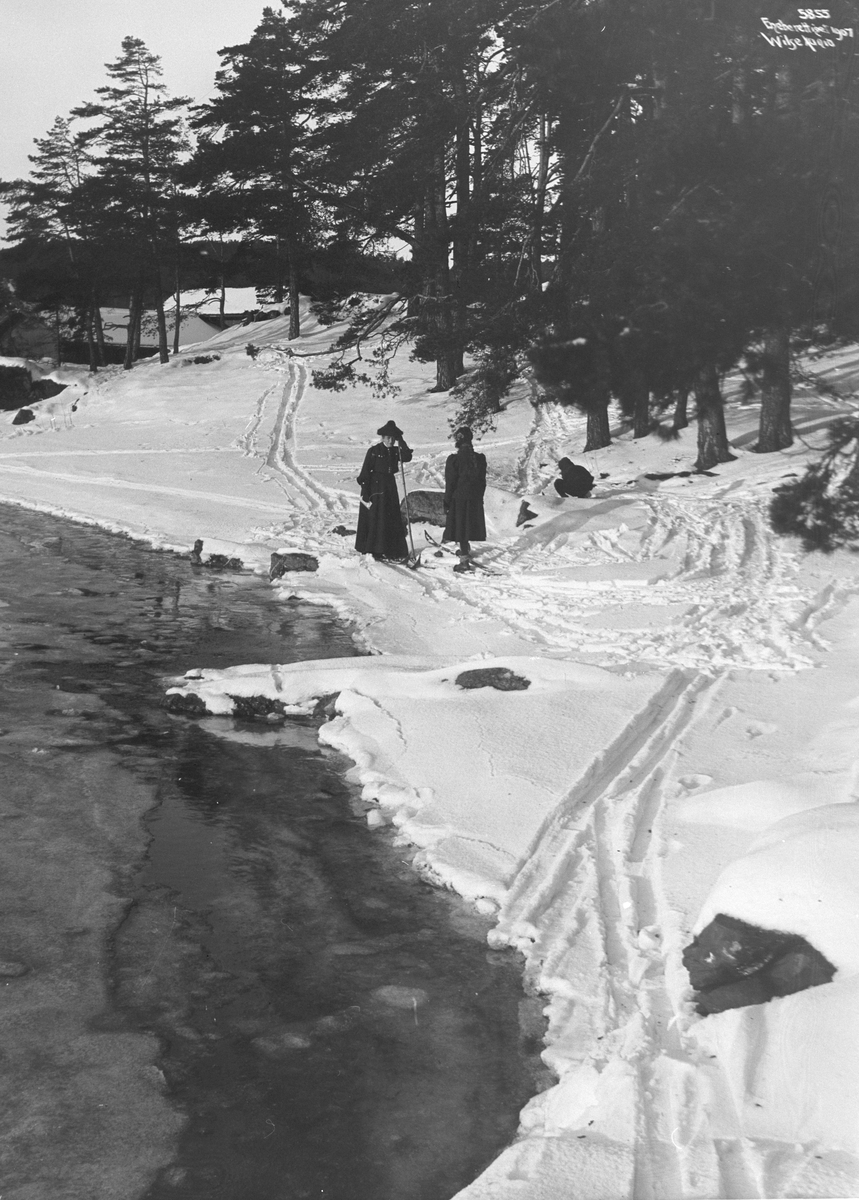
331,1025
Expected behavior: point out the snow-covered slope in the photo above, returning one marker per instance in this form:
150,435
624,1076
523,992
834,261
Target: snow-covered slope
692,688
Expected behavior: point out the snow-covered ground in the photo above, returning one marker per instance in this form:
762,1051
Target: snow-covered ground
687,743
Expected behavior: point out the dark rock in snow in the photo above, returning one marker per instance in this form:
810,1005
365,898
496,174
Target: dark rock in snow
500,678
525,514
732,964
16,387
297,561
326,706
185,703
254,708
801,968
44,389
220,562
23,417
199,359
342,531
424,506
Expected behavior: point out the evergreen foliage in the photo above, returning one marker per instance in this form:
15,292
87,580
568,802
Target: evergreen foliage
256,161
822,507
136,143
693,166
627,198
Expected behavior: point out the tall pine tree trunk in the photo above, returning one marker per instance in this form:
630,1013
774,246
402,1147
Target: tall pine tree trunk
538,218
222,285
278,271
712,434
132,344
416,304
177,323
90,340
99,330
462,231
446,356
294,318
776,432
641,423
137,333
599,433
163,349
681,415
439,289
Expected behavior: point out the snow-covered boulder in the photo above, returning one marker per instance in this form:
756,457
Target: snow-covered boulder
732,963
799,877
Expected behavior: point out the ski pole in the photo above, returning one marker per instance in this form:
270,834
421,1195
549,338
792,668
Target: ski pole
416,558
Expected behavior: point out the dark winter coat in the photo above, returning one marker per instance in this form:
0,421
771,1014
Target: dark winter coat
574,481
464,485
380,527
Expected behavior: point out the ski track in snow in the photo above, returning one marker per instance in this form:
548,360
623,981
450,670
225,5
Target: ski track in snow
587,906
727,596
587,909
270,437
554,428
731,600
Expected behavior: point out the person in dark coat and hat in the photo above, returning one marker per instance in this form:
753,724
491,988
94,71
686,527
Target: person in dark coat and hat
464,485
380,524
575,480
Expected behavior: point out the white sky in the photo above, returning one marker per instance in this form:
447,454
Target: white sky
52,56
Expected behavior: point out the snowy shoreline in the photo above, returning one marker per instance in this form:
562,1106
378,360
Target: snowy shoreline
691,685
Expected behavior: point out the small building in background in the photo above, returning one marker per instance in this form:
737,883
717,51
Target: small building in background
192,328
240,306
199,320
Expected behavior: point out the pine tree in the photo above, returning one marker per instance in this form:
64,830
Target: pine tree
421,141
137,144
691,162
53,208
255,165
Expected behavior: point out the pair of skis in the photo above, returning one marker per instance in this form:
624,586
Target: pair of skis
414,559
471,564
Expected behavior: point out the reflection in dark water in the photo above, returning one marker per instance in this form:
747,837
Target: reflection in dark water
332,1026
337,1028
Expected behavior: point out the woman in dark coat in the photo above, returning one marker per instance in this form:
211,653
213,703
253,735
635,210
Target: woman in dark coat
464,485
380,524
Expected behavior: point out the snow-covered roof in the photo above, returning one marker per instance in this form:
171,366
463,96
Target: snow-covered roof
192,328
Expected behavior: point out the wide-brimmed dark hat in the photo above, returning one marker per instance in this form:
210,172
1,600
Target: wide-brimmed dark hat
389,429
463,435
